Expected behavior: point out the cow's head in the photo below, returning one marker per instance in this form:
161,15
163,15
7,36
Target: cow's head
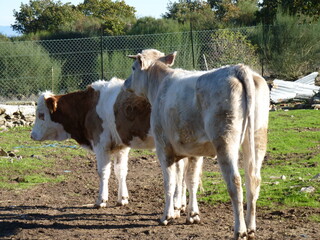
141,68
44,128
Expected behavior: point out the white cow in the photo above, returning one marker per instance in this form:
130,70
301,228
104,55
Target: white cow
106,120
210,113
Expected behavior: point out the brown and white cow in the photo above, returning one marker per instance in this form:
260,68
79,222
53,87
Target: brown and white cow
211,113
106,120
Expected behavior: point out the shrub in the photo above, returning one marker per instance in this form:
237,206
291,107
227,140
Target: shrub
26,69
227,46
289,48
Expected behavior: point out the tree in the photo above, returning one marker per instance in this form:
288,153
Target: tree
235,12
116,16
214,13
45,15
308,10
150,25
199,12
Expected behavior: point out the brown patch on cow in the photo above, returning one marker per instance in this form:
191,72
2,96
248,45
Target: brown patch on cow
77,113
132,116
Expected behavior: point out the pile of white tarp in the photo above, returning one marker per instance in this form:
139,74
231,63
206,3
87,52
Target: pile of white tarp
303,88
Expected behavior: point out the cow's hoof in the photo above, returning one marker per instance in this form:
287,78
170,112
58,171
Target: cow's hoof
166,221
177,213
193,219
251,235
123,202
183,209
101,205
241,236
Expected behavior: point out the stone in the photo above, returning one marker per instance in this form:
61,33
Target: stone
3,153
309,189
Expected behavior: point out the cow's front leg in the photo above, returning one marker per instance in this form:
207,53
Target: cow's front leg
104,170
169,176
121,170
192,176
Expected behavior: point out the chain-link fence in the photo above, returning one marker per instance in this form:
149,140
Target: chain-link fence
30,67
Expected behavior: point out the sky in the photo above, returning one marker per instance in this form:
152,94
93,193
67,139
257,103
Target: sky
143,8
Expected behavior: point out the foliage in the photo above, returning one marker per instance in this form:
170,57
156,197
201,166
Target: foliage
197,12
150,25
230,47
288,48
116,16
231,13
309,10
88,17
293,151
23,70
43,15
3,38
78,58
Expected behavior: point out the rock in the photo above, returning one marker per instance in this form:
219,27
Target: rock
3,152
309,189
316,177
9,125
283,177
2,110
315,106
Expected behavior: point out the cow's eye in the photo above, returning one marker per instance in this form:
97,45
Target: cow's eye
41,116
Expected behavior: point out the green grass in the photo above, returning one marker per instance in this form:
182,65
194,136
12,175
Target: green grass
293,151
25,169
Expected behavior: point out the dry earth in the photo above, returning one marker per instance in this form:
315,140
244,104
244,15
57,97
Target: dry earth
63,211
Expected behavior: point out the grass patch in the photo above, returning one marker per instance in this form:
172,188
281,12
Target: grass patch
25,168
293,152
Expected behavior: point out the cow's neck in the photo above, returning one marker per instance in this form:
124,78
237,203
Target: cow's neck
157,72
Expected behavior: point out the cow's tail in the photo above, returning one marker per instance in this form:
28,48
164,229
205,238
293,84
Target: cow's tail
245,75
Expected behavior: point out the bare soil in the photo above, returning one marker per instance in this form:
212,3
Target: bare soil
64,210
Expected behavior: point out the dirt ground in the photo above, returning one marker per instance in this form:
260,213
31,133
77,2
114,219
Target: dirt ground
64,210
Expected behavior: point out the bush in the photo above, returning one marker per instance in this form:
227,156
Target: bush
289,48
227,46
26,69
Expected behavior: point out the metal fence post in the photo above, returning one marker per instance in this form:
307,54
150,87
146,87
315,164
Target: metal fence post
101,53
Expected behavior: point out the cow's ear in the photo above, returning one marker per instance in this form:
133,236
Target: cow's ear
169,59
51,103
140,60
132,56
144,63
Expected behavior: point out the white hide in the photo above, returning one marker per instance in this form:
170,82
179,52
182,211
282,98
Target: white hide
206,114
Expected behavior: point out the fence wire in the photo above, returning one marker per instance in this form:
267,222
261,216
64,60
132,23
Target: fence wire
30,67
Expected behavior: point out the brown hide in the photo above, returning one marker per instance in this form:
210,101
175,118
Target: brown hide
132,115
77,113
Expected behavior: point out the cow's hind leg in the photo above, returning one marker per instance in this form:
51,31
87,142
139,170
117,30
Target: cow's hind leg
104,170
179,194
192,176
253,177
227,153
121,170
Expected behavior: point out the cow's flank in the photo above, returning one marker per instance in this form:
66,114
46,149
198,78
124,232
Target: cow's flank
132,115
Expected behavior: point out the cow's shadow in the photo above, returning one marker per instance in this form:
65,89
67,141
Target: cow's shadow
13,219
